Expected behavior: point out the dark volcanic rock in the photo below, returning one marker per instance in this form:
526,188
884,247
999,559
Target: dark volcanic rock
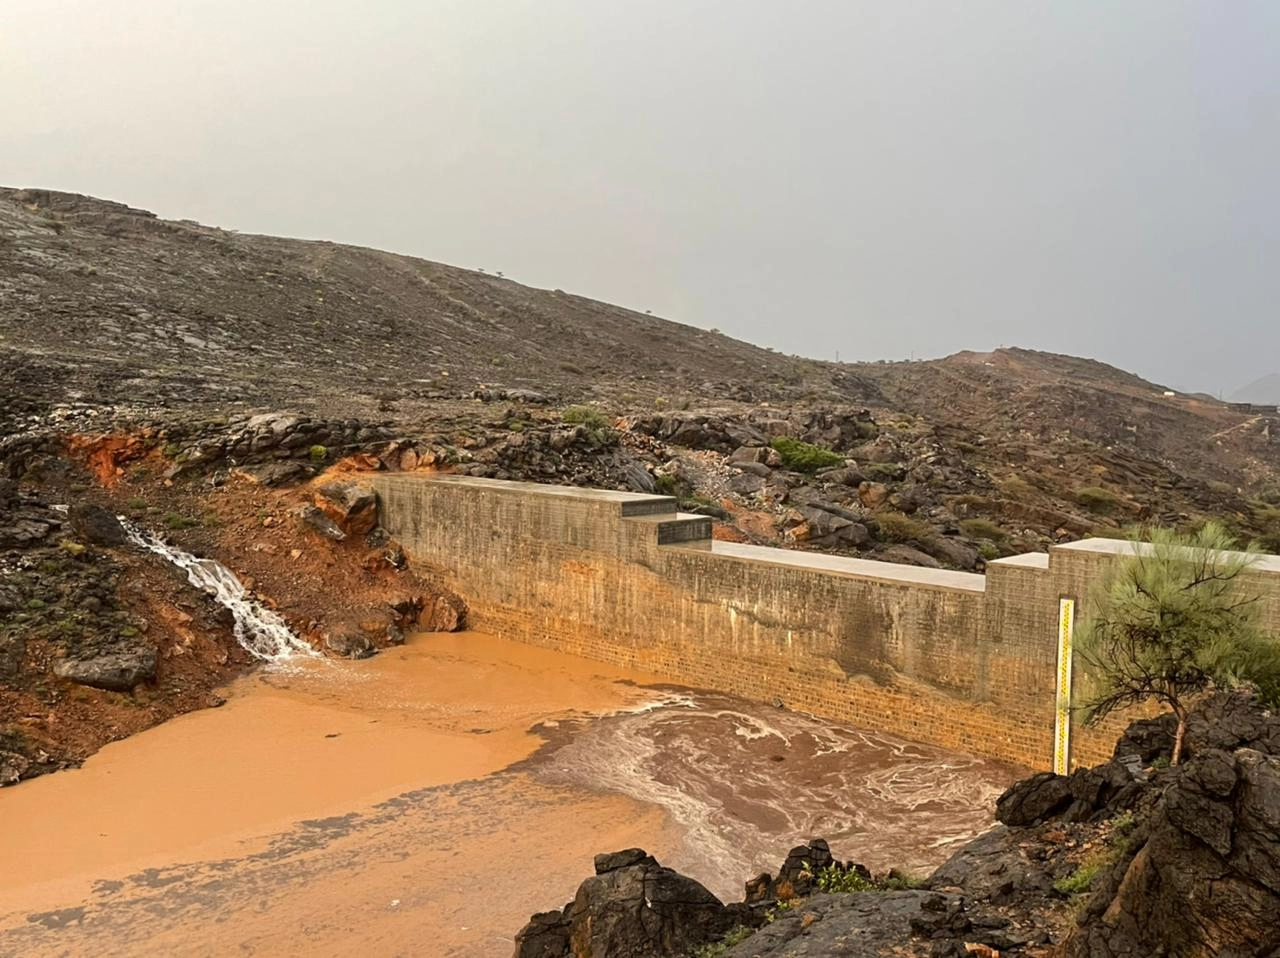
113,671
1207,880
632,908
97,525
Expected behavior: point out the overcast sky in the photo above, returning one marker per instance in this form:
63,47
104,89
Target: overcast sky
877,180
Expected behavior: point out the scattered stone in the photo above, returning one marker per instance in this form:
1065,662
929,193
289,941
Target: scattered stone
351,644
115,671
319,521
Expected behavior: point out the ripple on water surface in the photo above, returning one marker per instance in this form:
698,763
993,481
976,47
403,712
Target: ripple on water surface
747,781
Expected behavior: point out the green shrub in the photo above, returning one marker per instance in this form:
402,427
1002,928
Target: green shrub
838,881
982,529
1080,879
884,471
895,527
1221,488
1099,500
896,881
715,949
1017,487
137,504
988,550
587,416
669,484
318,453
175,521
801,456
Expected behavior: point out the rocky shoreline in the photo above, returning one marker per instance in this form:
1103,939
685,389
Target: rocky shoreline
1130,858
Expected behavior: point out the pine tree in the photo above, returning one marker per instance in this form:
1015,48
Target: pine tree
1172,620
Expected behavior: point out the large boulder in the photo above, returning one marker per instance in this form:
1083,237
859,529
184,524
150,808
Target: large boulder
114,671
1206,883
97,525
352,507
1034,800
631,908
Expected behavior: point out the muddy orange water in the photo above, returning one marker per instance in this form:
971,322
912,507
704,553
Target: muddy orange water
426,801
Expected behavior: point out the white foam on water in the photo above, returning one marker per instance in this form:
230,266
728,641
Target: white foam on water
259,631
745,781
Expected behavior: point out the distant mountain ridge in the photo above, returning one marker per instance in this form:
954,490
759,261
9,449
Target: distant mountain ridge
1264,390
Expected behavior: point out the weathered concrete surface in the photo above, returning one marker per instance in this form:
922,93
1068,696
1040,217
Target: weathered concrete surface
956,659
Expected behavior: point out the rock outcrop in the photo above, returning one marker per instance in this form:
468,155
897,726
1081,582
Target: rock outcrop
1206,882
631,908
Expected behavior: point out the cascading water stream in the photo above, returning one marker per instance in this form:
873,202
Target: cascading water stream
260,632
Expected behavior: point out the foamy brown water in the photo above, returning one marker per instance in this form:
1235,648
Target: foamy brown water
403,806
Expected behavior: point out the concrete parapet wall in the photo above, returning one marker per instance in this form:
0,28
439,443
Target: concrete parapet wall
956,659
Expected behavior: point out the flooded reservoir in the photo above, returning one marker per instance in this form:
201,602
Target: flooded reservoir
426,801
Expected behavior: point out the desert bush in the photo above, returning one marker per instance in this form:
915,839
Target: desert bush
884,471
801,456
982,529
1097,499
895,527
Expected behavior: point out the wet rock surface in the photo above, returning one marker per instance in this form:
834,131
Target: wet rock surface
632,908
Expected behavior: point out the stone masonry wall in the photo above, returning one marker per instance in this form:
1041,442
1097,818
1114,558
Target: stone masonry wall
959,660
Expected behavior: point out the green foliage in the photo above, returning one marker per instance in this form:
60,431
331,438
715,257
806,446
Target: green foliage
1017,487
883,471
895,527
1171,620
780,908
982,529
599,429
801,456
669,484
896,881
318,453
837,880
988,550
137,504
735,936
585,416
866,430
1080,879
1098,500
1221,488
176,521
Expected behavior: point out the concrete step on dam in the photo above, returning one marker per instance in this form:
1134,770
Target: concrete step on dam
964,661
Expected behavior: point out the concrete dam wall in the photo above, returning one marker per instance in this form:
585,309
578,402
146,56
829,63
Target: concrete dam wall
951,658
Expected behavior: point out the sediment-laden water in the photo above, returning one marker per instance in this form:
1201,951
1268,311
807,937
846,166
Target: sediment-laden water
404,806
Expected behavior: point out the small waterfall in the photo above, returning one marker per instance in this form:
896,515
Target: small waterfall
260,632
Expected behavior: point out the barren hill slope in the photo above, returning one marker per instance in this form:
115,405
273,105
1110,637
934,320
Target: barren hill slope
122,304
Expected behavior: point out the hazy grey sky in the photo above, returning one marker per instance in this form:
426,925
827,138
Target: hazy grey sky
878,179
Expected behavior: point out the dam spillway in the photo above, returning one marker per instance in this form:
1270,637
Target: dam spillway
960,660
